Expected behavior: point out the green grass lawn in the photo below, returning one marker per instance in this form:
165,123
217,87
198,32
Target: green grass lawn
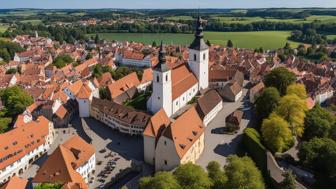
33,22
265,39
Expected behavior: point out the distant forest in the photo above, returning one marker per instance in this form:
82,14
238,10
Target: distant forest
70,33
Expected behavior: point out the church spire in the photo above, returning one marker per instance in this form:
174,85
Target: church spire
162,65
199,28
198,43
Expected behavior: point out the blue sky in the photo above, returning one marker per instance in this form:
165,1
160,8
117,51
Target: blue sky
70,4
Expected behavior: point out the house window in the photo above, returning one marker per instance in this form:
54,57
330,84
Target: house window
195,57
165,161
166,77
204,56
176,103
165,143
157,78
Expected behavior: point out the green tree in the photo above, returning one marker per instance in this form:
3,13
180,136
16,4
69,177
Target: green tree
4,54
11,71
293,109
15,100
276,133
4,124
267,102
191,176
297,89
49,186
229,44
280,78
216,175
318,123
289,181
319,154
97,39
243,174
62,60
154,44
104,93
162,180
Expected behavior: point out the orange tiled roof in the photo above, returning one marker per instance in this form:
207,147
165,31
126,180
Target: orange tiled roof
61,112
15,183
123,84
185,131
156,122
182,80
61,164
84,92
133,55
147,75
22,140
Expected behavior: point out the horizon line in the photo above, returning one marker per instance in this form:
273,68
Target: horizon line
171,8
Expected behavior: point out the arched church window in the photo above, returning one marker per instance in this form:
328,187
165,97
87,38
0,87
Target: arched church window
195,57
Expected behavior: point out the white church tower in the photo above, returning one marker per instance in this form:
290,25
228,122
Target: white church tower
162,86
199,57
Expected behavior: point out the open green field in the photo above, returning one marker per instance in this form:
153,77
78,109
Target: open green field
265,39
246,20
33,22
177,18
331,36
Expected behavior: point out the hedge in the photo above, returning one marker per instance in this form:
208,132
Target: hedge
252,143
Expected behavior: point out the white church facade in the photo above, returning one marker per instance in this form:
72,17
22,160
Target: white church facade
174,87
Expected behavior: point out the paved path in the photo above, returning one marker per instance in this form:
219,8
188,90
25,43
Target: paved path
219,146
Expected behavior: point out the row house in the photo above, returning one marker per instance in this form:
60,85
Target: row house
136,59
23,145
122,118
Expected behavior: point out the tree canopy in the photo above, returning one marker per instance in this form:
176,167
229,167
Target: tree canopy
267,102
298,90
319,154
280,78
289,181
192,176
162,180
276,133
318,123
292,109
216,175
243,174
229,44
15,100
62,60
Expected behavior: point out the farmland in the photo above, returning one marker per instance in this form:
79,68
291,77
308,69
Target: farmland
246,20
265,39
33,22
